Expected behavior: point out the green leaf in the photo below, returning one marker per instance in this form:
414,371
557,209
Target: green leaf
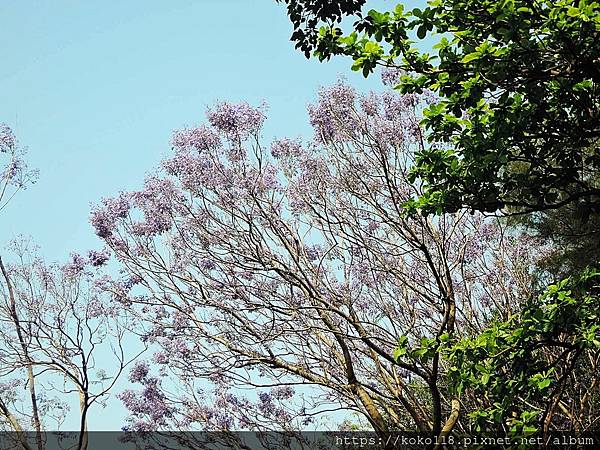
485,378
543,384
470,57
399,353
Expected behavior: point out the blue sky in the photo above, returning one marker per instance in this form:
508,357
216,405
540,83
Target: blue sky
94,90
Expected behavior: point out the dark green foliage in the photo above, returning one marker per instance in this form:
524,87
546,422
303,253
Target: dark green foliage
517,124
523,371
574,236
516,128
306,15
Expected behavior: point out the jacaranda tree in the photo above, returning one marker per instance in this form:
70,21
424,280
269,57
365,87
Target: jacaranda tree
276,282
515,129
14,173
61,347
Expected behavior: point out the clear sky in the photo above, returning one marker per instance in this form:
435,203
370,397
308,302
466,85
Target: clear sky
94,89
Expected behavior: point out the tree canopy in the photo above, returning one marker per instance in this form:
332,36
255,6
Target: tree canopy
516,124
290,286
291,270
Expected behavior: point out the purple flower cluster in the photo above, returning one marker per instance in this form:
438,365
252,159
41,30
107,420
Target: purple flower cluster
98,258
207,264
95,308
193,171
177,347
17,173
236,120
104,219
8,140
150,406
313,252
269,409
132,281
286,148
340,116
75,266
201,139
269,178
282,392
160,357
333,116
156,202
12,169
390,76
370,104
372,226
139,372
212,418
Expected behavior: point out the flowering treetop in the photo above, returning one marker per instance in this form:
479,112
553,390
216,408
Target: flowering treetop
292,269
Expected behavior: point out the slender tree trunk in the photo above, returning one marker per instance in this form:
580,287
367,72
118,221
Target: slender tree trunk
29,366
16,426
83,407
450,422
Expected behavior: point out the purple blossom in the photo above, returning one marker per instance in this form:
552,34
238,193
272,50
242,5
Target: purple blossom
236,119
313,252
75,266
372,226
265,397
236,154
17,173
363,273
286,148
266,405
176,347
207,264
97,259
269,177
44,274
396,106
282,392
160,357
95,308
156,201
104,219
149,407
201,139
390,76
333,117
132,281
13,168
370,104
194,171
139,372
180,321
8,140
103,283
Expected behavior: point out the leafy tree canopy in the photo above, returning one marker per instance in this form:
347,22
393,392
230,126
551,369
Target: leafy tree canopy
524,367
516,125
572,235
306,15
